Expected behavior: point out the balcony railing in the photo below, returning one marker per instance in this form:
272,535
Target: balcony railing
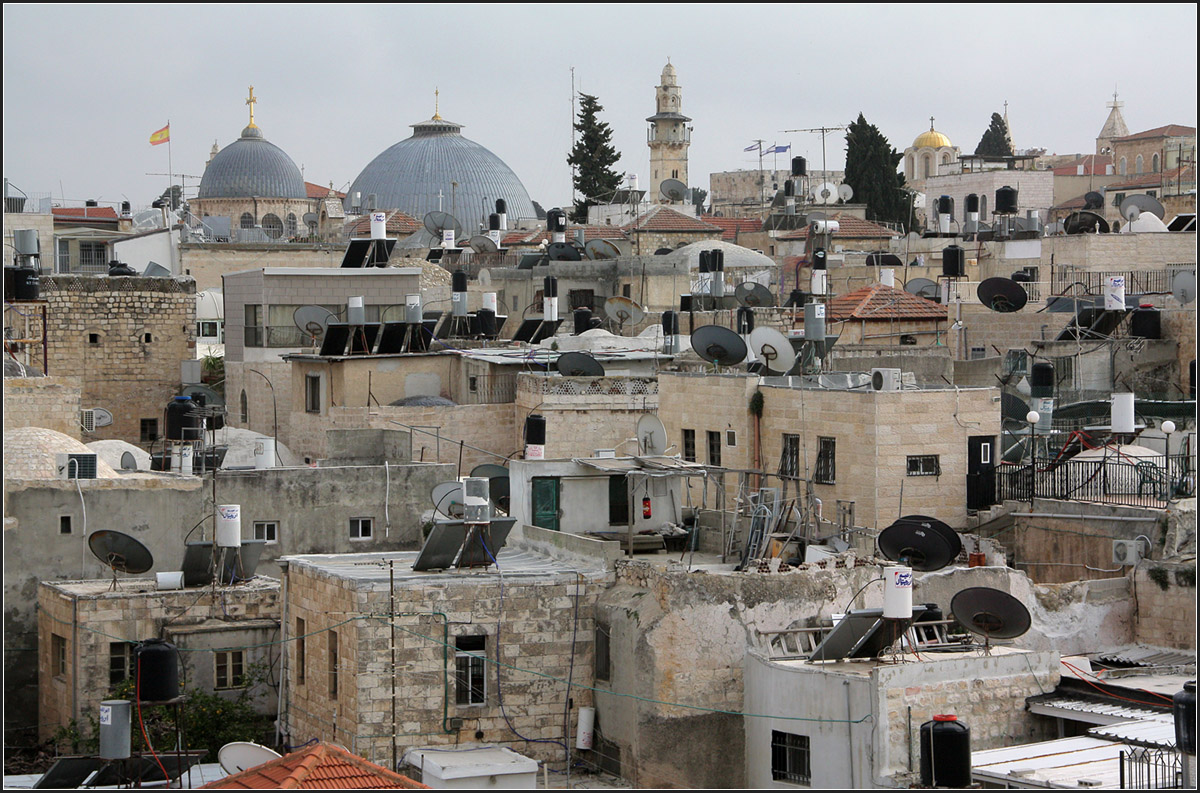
1144,768
589,386
1129,481
1137,282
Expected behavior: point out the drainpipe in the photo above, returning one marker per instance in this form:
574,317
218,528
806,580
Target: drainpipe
849,733
74,659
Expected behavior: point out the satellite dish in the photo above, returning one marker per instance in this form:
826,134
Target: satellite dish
101,417
1142,203
651,434
1093,200
991,613
623,310
1013,408
1183,286
884,260
845,192
448,499
1002,295
773,349
562,252
1084,222
436,222
753,295
601,249
923,287
719,345
311,218
579,364
120,552
673,189
481,244
824,193
921,542
313,321
238,756
663,251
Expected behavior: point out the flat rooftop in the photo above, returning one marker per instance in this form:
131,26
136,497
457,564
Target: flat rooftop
372,569
101,588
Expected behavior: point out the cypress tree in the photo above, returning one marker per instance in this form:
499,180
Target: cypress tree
871,170
592,157
994,142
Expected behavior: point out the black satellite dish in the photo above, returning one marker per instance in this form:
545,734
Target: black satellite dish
1084,222
562,252
883,260
437,221
120,552
1013,408
920,544
579,364
718,345
753,295
990,613
1093,200
498,483
663,251
1002,295
923,287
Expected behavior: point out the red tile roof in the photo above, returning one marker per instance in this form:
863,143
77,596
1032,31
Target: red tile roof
397,223
882,302
320,191
318,767
734,226
1168,131
1093,164
665,218
88,213
1184,173
849,227
517,238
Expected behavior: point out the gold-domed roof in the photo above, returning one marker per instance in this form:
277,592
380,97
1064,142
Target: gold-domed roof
932,139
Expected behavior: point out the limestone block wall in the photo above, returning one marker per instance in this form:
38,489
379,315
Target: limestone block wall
1119,252
585,414
50,402
1166,604
647,242
208,262
124,338
1180,324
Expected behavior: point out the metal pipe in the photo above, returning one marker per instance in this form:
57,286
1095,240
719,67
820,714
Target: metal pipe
1081,517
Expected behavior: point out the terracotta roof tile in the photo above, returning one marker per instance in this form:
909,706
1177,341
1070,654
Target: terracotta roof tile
320,191
319,767
849,227
89,213
1167,131
397,223
882,302
1093,164
665,218
731,227
514,238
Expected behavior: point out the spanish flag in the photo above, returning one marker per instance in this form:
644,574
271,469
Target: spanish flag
162,136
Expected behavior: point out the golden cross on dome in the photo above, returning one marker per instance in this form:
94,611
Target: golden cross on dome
436,115
931,123
251,102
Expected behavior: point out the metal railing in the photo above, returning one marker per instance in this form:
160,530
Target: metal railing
1137,282
587,386
30,204
1144,768
1129,481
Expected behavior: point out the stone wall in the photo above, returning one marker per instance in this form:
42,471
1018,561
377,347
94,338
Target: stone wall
42,224
50,402
584,414
208,262
124,338
1166,604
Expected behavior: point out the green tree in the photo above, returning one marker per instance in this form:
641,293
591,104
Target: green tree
871,170
592,159
994,142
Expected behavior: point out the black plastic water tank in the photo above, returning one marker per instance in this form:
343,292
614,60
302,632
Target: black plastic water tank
157,671
745,320
583,319
818,259
1146,323
799,166
670,323
493,222
1041,380
972,202
501,207
1006,201
458,281
789,188
26,285
705,261
556,220
182,423
1183,706
549,286
535,430
954,262
945,205
716,258
1022,276
945,753
487,321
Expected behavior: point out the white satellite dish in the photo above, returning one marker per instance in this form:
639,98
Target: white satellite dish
102,417
1183,286
845,192
773,349
239,756
824,193
1143,223
651,435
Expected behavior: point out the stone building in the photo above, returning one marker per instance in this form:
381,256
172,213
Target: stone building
742,193
669,136
931,154
1155,150
48,402
667,227
124,338
886,316
87,633
1114,127
382,658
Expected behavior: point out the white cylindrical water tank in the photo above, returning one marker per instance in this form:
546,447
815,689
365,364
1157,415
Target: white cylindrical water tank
378,225
171,580
897,592
887,277
585,732
489,301
114,729
818,284
185,459
1122,413
447,238
1114,293
264,453
229,526
550,309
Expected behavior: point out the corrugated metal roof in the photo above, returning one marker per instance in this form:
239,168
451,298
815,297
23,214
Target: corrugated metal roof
1089,710
1060,763
1158,732
1147,656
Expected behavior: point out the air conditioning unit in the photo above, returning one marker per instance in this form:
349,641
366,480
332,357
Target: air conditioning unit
1127,551
91,418
75,465
885,380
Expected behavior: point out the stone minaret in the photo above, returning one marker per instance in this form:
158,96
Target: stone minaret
668,137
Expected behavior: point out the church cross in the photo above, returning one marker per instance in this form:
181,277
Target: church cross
251,102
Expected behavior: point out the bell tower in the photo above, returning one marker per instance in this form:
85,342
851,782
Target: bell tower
668,137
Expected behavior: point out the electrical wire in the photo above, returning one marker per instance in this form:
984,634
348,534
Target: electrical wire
1082,678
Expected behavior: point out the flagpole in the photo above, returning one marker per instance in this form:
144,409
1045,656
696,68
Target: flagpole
170,170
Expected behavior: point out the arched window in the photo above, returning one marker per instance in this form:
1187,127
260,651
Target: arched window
245,408
928,160
1154,164
1124,165
1139,165
291,225
945,158
247,221
272,225
910,169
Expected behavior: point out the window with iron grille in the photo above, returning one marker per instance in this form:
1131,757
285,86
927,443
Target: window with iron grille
63,256
246,221
581,298
826,468
120,662
230,669
924,465
789,461
301,650
470,670
689,445
790,758
714,448
58,655
93,257
149,430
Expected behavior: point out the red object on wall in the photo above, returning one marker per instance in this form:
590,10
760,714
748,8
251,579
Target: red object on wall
646,507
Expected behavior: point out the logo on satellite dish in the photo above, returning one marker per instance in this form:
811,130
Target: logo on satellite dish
903,579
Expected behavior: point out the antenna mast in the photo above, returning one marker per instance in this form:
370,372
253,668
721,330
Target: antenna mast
823,131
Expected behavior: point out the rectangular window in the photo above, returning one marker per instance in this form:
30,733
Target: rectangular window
789,461
312,393
581,298
603,656
470,670
333,664
689,445
149,430
266,530
1016,361
206,330
63,256
790,758
978,352
120,667
360,528
230,669
714,447
618,500
64,524
730,438
253,325
826,473
58,655
924,465
301,650
93,257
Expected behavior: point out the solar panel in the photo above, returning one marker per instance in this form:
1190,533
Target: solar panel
143,768
527,329
241,563
545,330
446,537
336,336
862,634
356,253
380,252
362,340
69,772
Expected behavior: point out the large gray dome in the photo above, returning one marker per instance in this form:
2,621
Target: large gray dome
409,176
252,167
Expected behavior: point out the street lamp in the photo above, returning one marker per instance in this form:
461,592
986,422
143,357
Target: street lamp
1032,418
274,413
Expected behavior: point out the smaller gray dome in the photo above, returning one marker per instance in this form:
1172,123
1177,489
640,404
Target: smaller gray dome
252,167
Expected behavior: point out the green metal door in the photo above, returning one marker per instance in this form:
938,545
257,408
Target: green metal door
544,492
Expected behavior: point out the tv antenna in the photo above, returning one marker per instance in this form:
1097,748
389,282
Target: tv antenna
823,132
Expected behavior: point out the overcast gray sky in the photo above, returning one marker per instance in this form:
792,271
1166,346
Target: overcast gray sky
85,86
